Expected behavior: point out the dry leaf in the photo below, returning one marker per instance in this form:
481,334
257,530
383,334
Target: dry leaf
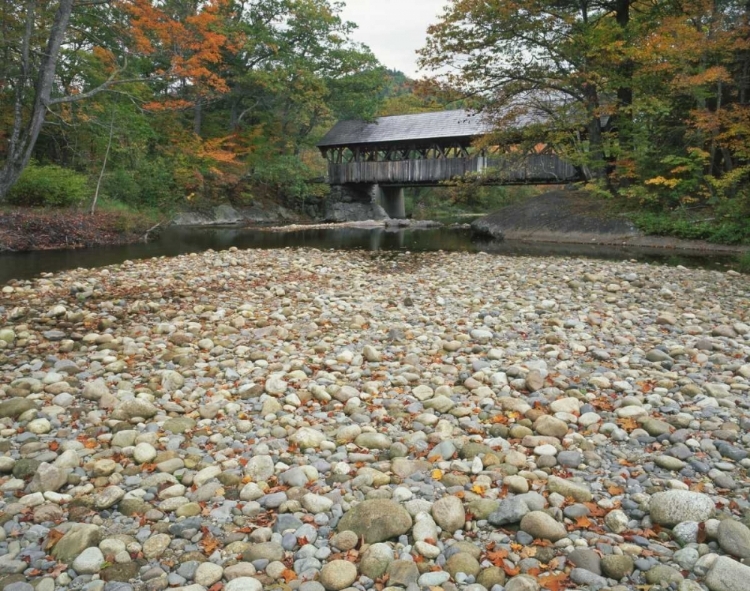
288,575
52,538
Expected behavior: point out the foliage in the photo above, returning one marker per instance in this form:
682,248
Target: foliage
652,99
49,185
463,199
203,99
743,262
680,224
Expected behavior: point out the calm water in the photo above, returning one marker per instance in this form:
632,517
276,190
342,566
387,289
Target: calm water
176,240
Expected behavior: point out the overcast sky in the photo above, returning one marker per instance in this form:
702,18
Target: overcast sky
394,29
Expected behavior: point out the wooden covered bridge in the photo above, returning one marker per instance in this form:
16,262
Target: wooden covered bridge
375,160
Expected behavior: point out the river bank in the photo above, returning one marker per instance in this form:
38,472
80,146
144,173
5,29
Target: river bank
26,229
305,419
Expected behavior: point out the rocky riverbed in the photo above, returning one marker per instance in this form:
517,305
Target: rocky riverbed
300,419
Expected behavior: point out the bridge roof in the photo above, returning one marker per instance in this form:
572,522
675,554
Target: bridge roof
407,128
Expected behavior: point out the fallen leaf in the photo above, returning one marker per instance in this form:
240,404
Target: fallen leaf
554,582
288,575
52,538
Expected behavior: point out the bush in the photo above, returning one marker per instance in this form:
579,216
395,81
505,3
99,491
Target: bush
49,185
150,184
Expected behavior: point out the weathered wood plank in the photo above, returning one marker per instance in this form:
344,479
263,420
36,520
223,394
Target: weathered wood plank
544,168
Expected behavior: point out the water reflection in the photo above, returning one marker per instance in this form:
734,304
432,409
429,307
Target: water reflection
174,241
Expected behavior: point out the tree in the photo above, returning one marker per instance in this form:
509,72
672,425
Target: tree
29,79
539,58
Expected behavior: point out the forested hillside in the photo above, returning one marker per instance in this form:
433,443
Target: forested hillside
163,102
172,102
652,98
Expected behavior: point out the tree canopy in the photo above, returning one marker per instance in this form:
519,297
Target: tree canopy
196,98
651,97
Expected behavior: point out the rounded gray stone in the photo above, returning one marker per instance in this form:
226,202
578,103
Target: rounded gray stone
675,506
376,520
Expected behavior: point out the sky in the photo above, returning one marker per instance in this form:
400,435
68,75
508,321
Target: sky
393,29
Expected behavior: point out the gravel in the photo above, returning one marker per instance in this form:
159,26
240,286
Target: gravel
310,420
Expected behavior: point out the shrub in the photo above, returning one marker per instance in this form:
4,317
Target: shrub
49,185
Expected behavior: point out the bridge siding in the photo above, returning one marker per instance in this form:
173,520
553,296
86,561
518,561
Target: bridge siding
541,168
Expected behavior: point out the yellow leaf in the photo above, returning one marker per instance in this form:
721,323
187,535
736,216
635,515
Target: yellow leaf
437,474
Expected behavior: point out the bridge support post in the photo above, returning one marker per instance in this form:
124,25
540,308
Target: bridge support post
393,202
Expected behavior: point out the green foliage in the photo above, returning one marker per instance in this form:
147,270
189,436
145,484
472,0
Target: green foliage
691,227
150,184
743,262
49,185
463,199
288,178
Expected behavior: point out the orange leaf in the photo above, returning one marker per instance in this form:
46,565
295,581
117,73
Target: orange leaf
554,582
52,538
288,575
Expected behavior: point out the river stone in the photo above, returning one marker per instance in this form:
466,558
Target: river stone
402,573
15,407
178,425
510,510
120,572
260,468
375,560
373,441
539,524
491,576
663,575
143,453
551,426
49,478
376,520
76,540
567,488
462,562
244,584
586,559
270,551
89,561
726,574
156,545
208,573
522,583
734,538
449,513
675,506
95,390
307,437
337,575
133,407
617,566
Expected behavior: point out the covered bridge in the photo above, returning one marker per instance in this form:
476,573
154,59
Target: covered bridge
376,160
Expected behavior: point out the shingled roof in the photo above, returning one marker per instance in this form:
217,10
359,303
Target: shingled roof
400,128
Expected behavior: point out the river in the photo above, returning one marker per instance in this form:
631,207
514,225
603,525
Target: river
179,240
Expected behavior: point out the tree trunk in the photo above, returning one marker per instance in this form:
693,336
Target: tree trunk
198,116
623,119
596,168
104,164
24,137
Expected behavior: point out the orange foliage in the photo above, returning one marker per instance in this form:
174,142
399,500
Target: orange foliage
193,45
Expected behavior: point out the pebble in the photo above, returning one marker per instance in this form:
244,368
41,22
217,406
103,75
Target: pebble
319,420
